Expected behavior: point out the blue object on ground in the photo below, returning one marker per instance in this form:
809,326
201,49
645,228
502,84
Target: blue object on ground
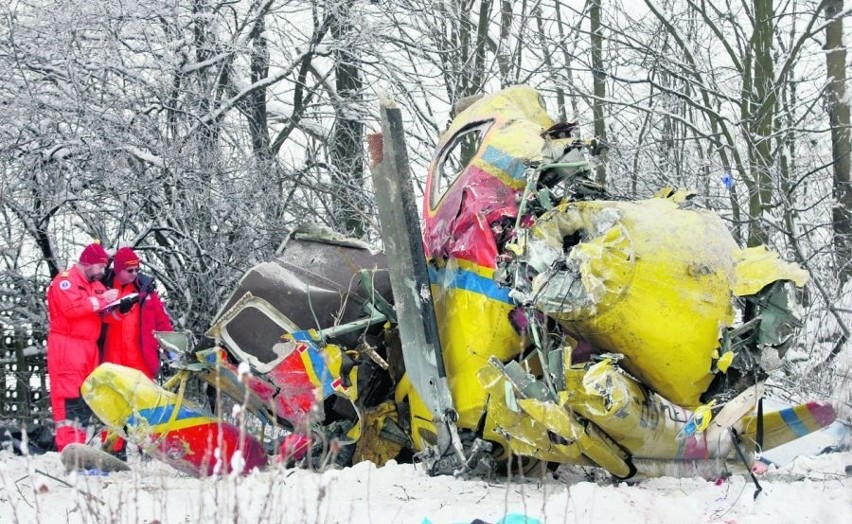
517,518
510,518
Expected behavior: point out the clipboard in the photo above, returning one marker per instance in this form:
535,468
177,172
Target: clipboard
115,303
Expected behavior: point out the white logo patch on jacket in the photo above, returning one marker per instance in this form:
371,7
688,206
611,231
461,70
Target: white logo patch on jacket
65,285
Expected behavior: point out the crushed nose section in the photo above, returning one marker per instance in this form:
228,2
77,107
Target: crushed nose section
655,281
650,280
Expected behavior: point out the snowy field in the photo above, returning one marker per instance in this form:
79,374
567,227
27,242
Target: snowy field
37,489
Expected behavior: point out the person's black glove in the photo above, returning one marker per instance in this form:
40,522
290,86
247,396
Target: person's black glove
127,303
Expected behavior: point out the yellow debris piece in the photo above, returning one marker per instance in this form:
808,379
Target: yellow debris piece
757,267
702,416
371,445
725,361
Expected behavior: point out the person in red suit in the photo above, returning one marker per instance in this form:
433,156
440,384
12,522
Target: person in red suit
75,300
129,339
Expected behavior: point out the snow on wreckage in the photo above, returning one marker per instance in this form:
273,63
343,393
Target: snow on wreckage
534,316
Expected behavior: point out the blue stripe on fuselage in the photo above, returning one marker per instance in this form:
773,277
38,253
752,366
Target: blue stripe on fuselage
510,165
160,415
321,370
317,361
794,422
470,281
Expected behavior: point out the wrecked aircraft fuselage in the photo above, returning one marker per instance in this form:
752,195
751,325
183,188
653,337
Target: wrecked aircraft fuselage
574,328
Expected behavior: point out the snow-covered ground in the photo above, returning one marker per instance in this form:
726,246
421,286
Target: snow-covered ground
37,489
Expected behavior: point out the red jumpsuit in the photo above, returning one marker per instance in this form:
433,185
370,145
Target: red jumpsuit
129,338
73,305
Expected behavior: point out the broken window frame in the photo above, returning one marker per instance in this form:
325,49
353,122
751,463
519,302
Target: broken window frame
442,182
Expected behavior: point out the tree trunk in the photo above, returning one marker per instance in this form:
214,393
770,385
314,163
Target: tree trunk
599,85
346,151
259,69
838,117
761,118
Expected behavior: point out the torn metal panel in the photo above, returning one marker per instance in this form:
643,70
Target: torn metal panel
509,426
311,284
757,267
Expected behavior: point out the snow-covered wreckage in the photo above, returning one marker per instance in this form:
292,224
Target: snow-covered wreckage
533,319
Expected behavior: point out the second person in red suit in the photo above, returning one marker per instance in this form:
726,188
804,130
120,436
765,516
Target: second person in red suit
129,339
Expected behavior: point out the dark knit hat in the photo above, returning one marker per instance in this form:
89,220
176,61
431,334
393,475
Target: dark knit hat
94,253
125,258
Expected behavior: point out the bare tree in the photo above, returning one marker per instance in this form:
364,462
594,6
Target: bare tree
838,114
347,139
153,126
599,75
